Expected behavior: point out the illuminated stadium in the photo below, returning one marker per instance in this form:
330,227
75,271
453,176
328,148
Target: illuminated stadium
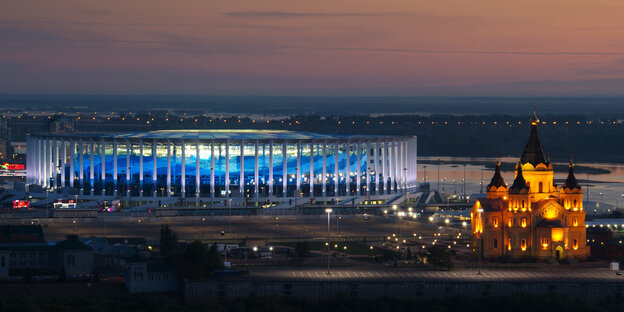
221,163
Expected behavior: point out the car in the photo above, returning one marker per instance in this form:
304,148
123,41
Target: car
367,217
618,273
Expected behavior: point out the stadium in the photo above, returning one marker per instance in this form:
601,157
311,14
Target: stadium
209,164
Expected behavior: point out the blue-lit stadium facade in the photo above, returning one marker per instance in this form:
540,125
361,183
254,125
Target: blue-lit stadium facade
221,163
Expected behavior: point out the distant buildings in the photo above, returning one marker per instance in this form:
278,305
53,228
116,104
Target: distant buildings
24,252
534,217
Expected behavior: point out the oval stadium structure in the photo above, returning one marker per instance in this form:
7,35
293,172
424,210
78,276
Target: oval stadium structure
221,163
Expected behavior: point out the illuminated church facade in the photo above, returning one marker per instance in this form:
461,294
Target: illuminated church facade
534,217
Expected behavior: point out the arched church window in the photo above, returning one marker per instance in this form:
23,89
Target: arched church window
523,245
495,243
495,222
575,222
523,222
523,203
575,244
574,203
541,187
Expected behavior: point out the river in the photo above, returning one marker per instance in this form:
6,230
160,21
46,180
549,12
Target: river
605,188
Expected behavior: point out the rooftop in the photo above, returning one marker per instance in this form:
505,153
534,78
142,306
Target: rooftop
218,134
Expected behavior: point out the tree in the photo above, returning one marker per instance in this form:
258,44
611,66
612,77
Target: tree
214,261
199,261
168,243
302,249
440,257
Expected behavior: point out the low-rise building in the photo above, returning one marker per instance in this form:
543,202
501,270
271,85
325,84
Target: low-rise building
143,276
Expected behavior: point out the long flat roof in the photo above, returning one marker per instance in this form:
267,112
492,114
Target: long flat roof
219,134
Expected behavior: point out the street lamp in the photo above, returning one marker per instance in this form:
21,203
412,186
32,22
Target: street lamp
480,231
328,211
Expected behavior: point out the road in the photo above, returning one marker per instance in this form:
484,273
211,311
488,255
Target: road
237,228
459,275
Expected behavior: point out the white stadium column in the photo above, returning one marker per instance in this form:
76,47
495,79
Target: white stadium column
227,168
128,166
336,172
103,170
56,165
405,165
197,171
400,167
391,165
63,162
256,169
311,171
155,168
298,169
72,158
115,167
324,177
384,166
140,168
183,171
284,170
212,169
376,165
241,174
92,149
415,155
347,154
397,162
45,164
271,168
168,169
358,179
81,151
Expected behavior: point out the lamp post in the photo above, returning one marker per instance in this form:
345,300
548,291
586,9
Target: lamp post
328,211
480,210
400,216
439,174
464,183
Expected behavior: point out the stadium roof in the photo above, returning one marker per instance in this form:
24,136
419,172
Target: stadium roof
219,134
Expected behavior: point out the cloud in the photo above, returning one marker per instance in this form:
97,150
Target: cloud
281,14
435,51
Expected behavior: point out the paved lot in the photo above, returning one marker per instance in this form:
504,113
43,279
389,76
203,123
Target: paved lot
212,227
461,275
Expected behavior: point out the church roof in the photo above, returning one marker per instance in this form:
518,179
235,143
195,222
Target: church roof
519,183
533,152
571,182
492,204
497,179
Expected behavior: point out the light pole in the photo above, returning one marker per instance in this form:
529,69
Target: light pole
464,183
439,174
328,211
480,230
399,218
425,175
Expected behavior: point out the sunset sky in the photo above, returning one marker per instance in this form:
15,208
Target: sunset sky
313,48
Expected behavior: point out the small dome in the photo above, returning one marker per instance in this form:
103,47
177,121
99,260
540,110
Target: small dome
571,182
497,180
519,183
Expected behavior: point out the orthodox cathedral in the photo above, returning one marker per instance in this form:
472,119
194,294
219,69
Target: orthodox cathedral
534,217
